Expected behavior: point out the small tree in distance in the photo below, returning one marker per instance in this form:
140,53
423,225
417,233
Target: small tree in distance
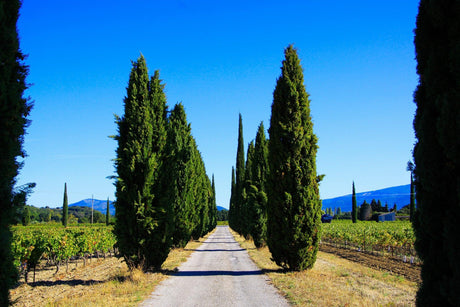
65,207
354,207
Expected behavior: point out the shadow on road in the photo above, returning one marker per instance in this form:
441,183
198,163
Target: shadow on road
215,250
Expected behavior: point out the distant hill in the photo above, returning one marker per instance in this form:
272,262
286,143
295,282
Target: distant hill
99,205
399,195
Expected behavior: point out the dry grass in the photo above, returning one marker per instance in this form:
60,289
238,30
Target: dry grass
334,281
105,282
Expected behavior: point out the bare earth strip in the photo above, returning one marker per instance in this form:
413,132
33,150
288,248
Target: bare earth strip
218,273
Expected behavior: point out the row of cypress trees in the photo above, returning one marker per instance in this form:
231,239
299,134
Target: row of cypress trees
275,194
164,196
248,200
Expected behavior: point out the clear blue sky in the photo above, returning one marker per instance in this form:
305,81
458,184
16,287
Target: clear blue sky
220,58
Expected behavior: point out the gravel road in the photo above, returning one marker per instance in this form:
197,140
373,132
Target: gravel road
218,273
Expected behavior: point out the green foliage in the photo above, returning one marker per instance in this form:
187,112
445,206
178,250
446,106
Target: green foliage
437,151
57,244
294,207
257,195
65,208
237,196
178,176
365,212
107,213
231,211
26,216
354,207
144,224
222,215
14,109
396,238
410,168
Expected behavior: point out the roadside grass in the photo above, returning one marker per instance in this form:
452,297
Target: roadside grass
106,282
222,223
334,281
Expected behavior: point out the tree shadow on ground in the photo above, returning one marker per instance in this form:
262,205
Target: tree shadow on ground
72,283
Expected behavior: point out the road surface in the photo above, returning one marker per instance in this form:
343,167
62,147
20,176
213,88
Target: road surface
218,273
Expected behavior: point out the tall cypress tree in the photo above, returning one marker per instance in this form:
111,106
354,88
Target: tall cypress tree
177,175
65,207
239,180
14,109
257,192
231,208
246,218
354,207
213,205
294,206
144,224
437,151
107,213
410,168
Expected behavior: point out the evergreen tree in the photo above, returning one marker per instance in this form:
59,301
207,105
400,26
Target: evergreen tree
410,168
143,224
213,205
257,192
239,180
294,206
437,151
354,207
107,213
366,211
26,216
246,220
65,207
231,208
177,175
14,109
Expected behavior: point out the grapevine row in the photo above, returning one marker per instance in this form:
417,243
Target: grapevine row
393,238
58,245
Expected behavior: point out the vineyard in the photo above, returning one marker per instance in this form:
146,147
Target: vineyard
57,245
390,238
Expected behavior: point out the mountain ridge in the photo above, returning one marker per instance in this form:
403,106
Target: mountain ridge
399,195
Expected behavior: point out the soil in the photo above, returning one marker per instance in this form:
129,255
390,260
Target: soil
49,286
392,265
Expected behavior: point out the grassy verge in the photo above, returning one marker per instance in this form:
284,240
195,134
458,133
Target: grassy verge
106,282
334,281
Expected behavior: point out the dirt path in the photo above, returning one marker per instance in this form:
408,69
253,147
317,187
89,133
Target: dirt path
218,273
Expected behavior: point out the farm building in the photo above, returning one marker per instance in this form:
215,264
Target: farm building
387,217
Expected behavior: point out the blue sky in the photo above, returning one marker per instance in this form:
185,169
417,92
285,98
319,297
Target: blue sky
219,58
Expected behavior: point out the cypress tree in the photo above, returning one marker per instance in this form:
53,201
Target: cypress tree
107,213
437,151
65,207
410,168
213,205
231,208
143,224
294,206
26,216
14,109
246,218
257,192
201,193
177,175
239,180
354,207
